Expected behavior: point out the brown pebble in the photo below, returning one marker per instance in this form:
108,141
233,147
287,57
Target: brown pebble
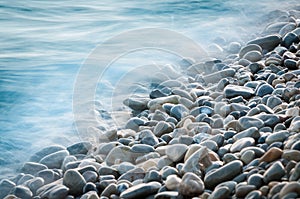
272,154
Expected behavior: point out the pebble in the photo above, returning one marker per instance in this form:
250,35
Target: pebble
256,179
172,182
79,148
6,186
232,91
74,181
248,156
110,190
264,89
119,154
167,195
191,185
288,39
225,173
268,42
32,168
253,56
179,111
220,193
279,136
141,190
176,152
291,155
22,192
243,190
54,160
242,143
271,155
247,122
274,172
45,151
290,187
153,175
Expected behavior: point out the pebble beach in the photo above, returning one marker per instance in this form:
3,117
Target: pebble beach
227,128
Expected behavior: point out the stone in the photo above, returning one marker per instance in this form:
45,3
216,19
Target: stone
232,91
172,182
48,175
248,48
191,185
179,111
133,174
58,192
273,101
291,64
134,123
22,192
247,122
290,187
54,160
74,181
289,39
248,156
295,174
269,120
291,155
161,128
110,190
279,136
210,144
6,186
157,102
152,175
105,170
242,190
119,154
90,176
256,179
90,195
198,160
142,148
264,89
250,132
271,155
242,143
268,42
225,173
176,152
167,195
140,190
32,168
220,193
147,137
79,148
253,56
274,172
254,195
136,104
217,76
234,47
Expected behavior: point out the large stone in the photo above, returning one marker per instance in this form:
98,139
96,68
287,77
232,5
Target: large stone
74,181
119,154
220,193
288,188
225,173
253,56
22,192
79,148
141,190
176,152
250,132
6,186
232,91
32,168
191,185
179,111
271,155
45,151
248,48
54,160
172,182
279,136
137,104
264,89
274,172
247,122
268,42
242,143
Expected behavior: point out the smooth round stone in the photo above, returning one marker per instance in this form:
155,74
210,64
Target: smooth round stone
229,157
243,190
210,144
54,160
32,168
119,154
253,56
79,148
274,172
242,143
291,155
90,176
248,156
250,132
290,187
264,89
45,151
141,190
273,101
153,175
272,154
247,122
172,182
289,39
256,179
22,192
74,181
249,48
232,91
254,195
6,186
279,136
270,120
192,162
134,123
110,190
167,195
166,171
225,173
59,192
142,148
291,64
133,174
268,42
24,179
47,175
179,111
220,193
147,137
176,152
191,185
258,151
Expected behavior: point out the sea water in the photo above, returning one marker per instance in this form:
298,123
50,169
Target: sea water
43,45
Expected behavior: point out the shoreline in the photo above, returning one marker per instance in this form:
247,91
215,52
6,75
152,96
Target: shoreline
231,131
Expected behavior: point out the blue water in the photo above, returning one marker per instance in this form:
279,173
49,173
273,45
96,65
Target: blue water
44,43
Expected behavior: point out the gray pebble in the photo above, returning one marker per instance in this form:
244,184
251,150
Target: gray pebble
274,172
74,181
141,190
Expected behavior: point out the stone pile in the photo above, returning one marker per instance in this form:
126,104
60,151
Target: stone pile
227,129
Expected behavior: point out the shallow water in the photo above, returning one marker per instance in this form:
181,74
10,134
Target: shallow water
44,43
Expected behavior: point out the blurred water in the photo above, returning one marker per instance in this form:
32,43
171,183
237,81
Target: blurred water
43,43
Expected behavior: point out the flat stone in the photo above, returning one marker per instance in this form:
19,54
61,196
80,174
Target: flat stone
58,192
141,190
291,155
248,48
274,172
45,151
35,184
220,193
290,187
271,155
22,192
161,128
225,173
191,185
167,195
74,181
6,186
269,119
279,136
268,42
179,111
79,148
54,160
32,168
137,104
250,132
172,182
154,103
133,174
264,89
247,122
193,162
217,76
142,148
176,152
242,143
242,190
232,91
256,179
